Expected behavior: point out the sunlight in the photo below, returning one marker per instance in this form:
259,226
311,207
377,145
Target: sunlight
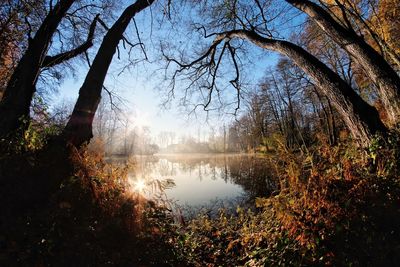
139,185
140,119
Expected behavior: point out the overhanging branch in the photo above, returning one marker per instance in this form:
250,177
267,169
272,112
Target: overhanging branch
51,61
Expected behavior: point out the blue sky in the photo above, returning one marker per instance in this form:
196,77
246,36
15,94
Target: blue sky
137,87
141,99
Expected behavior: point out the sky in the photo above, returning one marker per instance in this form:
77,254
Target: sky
142,101
137,87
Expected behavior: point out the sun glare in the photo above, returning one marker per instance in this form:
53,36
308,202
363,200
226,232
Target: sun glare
139,185
141,119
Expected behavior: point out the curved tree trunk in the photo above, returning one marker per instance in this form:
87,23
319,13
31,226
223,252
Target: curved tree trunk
361,119
376,67
17,97
79,127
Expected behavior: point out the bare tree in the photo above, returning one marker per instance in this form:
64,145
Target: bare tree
21,87
233,22
79,127
361,119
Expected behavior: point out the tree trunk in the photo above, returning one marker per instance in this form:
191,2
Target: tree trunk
374,64
22,85
79,127
361,119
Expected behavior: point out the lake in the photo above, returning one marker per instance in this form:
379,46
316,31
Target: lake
200,179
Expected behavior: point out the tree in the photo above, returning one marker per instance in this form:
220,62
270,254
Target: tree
22,84
376,67
384,25
237,20
361,119
16,18
375,21
79,127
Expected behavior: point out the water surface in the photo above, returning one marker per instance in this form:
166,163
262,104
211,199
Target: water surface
198,179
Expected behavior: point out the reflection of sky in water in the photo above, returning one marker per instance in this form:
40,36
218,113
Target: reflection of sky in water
198,187
195,183
199,178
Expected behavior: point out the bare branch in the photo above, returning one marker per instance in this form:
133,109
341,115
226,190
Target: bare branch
50,61
140,42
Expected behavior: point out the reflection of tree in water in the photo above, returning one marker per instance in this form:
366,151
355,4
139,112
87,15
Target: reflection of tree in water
252,173
255,175
165,168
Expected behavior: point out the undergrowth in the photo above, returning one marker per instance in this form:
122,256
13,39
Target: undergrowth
337,206
63,207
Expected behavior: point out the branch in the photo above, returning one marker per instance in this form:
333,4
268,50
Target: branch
235,82
51,61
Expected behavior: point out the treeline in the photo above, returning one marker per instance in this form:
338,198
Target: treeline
286,110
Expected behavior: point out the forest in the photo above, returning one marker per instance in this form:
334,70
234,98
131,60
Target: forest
301,108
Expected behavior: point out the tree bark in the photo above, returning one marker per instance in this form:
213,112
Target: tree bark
361,119
79,127
18,95
374,64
